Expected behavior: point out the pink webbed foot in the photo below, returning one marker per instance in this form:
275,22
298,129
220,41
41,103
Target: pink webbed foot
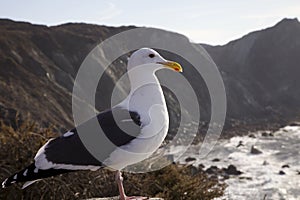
119,180
135,198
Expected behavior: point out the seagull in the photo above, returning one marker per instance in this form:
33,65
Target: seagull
136,127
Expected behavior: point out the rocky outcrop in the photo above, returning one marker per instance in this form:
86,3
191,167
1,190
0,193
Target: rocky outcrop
38,65
260,71
254,150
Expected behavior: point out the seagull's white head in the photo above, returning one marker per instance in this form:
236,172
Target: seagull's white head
147,56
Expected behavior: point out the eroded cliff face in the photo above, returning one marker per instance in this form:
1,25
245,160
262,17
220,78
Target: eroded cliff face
261,72
38,65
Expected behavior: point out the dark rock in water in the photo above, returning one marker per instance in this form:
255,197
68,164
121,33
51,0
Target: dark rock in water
212,170
201,166
264,134
281,172
226,176
285,166
190,159
254,150
223,173
298,172
240,144
232,170
294,124
271,134
251,135
216,160
246,178
265,162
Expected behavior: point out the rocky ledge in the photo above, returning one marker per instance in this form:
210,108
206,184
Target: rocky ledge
117,198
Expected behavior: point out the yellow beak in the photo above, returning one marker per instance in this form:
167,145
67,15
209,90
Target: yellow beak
172,65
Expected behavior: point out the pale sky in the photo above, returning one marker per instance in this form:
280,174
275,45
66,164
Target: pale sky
212,22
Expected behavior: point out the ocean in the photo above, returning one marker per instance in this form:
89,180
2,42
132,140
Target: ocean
270,175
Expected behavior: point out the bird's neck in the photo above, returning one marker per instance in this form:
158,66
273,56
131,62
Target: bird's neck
145,91
140,79
146,97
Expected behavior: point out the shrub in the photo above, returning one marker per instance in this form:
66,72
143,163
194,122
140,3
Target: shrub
19,146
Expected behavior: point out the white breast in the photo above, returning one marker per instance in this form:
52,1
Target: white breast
148,101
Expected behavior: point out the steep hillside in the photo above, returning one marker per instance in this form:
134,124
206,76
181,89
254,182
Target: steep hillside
38,65
261,72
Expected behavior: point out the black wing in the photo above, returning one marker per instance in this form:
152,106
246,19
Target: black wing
67,152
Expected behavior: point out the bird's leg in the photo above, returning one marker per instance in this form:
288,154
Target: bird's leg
119,180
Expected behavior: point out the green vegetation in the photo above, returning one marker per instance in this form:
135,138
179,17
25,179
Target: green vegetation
18,147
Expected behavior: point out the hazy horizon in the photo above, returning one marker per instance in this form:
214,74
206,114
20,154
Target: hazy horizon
238,37
214,23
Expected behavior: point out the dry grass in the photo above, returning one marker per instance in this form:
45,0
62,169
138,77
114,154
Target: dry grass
176,182
18,148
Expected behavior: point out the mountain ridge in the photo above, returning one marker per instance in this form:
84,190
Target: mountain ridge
39,64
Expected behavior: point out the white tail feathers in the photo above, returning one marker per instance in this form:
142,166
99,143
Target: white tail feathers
28,183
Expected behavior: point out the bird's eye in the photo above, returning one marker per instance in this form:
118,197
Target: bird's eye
151,55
